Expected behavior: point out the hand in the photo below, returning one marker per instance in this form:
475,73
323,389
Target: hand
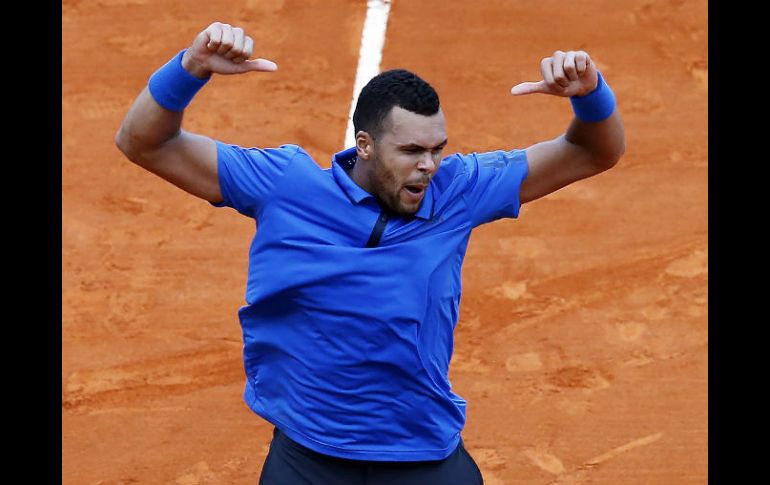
223,49
565,74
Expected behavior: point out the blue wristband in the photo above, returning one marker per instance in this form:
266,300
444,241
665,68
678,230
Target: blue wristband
597,105
172,86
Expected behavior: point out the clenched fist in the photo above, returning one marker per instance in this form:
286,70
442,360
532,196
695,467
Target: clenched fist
565,74
223,49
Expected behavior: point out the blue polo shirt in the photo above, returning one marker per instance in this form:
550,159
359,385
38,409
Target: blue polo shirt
347,347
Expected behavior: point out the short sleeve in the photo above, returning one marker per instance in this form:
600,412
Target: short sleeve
247,176
494,182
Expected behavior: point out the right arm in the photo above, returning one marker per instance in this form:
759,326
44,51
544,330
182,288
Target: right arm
151,136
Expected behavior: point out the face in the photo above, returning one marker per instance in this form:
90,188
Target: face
400,162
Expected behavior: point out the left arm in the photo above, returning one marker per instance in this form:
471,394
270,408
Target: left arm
588,147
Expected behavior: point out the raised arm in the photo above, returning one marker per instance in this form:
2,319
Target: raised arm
151,134
594,141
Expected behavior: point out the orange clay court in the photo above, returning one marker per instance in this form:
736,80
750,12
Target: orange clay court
582,346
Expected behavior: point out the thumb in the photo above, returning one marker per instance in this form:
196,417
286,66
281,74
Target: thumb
259,65
530,88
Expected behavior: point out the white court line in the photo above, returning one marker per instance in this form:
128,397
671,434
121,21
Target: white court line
370,55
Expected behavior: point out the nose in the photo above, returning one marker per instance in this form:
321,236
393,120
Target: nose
426,163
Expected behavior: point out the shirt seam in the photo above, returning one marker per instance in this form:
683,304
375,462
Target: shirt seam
269,197
464,193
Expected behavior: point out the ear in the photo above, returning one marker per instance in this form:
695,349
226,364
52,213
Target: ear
364,145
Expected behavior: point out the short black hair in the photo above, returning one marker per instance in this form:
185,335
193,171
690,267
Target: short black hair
396,87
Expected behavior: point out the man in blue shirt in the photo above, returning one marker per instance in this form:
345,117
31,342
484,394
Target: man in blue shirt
354,272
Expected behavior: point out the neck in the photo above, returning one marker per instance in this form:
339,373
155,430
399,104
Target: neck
360,176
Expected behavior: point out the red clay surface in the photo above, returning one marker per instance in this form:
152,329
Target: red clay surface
582,344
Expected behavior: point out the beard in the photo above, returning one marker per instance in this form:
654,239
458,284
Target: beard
390,200
391,194
389,189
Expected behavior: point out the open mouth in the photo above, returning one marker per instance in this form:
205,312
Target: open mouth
414,193
415,189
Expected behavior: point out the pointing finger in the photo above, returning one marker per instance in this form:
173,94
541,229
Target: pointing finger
260,65
530,88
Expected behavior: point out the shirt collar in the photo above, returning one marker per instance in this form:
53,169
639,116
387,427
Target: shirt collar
340,162
346,159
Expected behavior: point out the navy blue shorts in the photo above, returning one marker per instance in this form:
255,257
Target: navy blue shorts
289,463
